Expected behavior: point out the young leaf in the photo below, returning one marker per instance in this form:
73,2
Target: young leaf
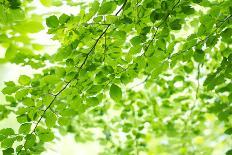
28,102
52,22
46,3
7,132
9,151
24,80
25,128
155,15
175,25
107,7
50,119
115,92
63,18
7,143
10,52
46,137
30,141
199,55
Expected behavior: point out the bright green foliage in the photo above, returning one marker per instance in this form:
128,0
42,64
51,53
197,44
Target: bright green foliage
6,132
107,8
24,80
115,92
179,52
15,26
25,128
52,22
50,119
175,25
46,2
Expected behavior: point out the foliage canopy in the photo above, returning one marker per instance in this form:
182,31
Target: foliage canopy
178,50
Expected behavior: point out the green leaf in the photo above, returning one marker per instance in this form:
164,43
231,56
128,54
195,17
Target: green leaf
111,19
7,143
46,137
14,4
164,5
135,49
9,90
95,89
188,10
47,99
29,27
19,95
50,119
155,15
197,1
226,35
52,22
212,40
92,101
228,131
115,92
223,115
94,7
64,121
30,141
28,102
25,128
229,152
24,80
10,52
107,7
70,62
199,55
175,25
9,151
7,132
46,3
22,118
63,19
136,40
50,79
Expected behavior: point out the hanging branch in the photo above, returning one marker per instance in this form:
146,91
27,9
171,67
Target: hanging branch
68,83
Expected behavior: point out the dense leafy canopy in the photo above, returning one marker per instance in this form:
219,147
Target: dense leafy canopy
178,50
